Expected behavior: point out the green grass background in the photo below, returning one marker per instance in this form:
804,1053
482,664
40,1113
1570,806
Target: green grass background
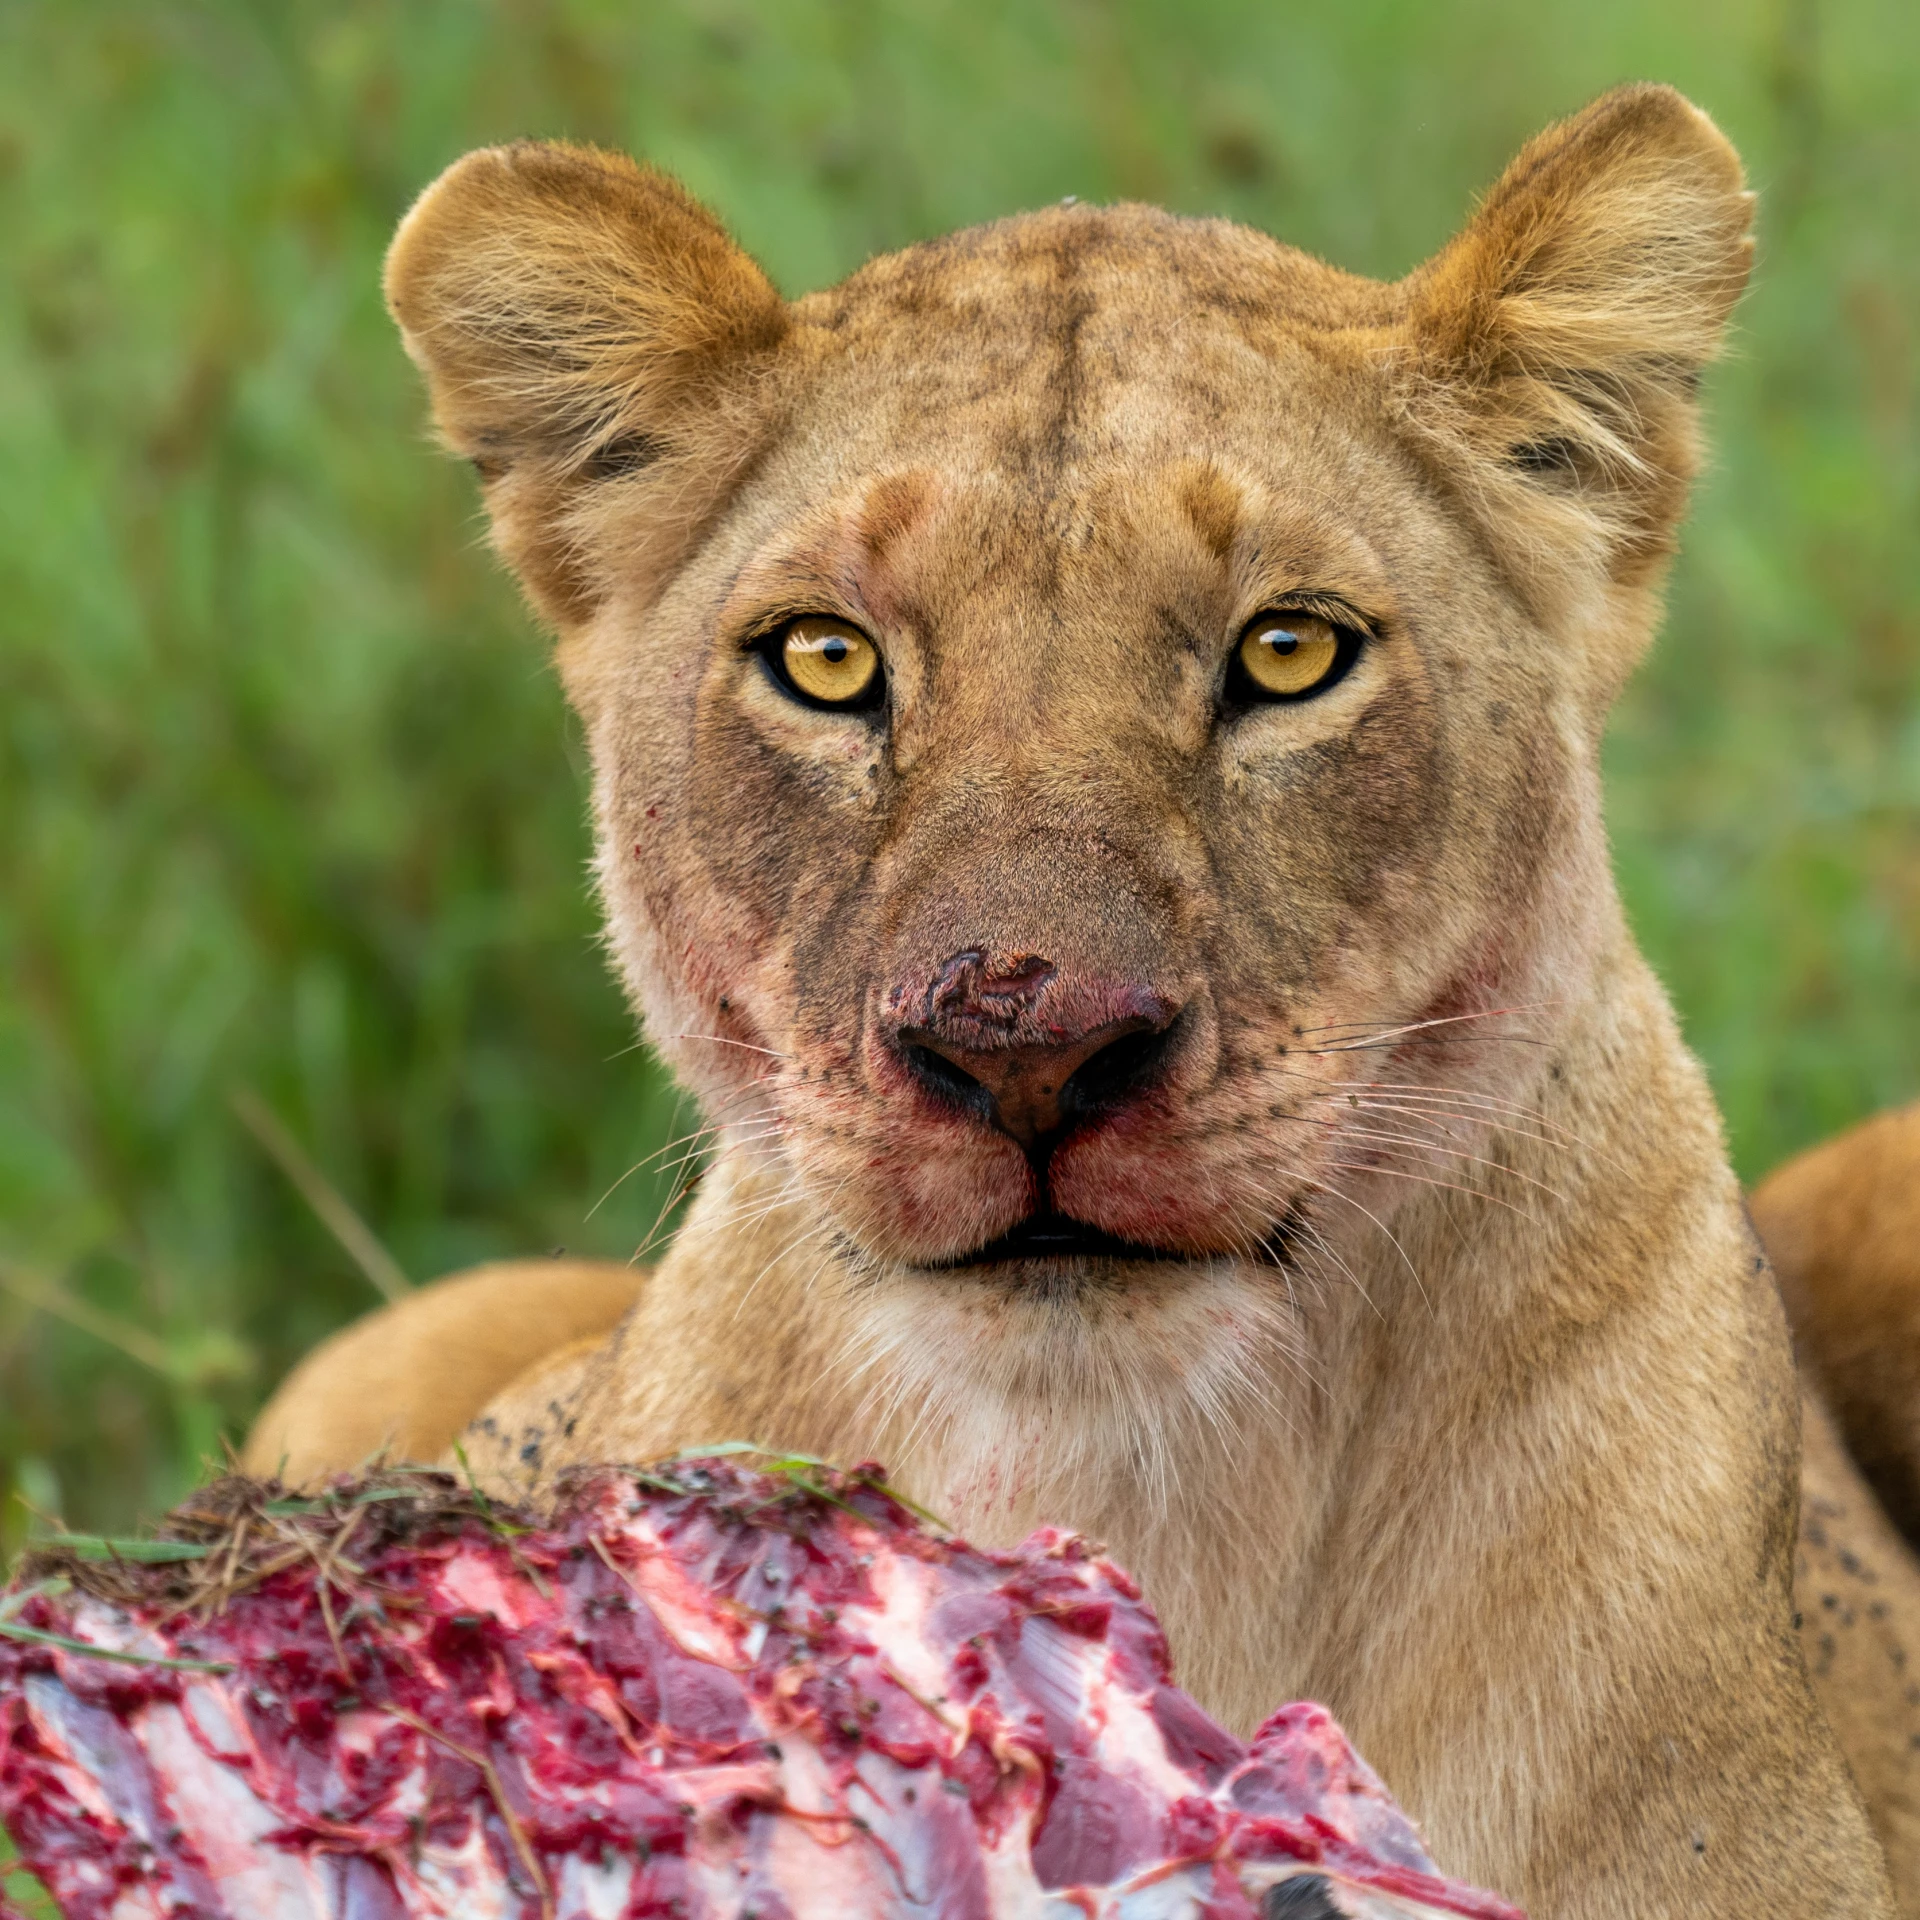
289,802
288,799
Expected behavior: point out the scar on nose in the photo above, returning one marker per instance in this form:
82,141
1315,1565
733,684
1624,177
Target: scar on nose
992,986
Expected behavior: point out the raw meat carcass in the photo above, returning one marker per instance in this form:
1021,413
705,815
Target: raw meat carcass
706,1690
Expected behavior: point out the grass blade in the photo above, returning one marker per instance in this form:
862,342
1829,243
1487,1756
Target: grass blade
335,1211
13,1630
97,1546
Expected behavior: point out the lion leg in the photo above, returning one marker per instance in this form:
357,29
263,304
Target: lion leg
1857,1606
403,1381
1842,1226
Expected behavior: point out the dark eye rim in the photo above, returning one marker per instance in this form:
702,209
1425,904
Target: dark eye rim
1242,692
770,646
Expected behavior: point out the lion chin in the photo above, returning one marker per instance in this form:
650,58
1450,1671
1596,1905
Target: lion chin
1108,1372
1096,725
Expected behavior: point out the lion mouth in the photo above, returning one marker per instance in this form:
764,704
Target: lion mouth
1053,1237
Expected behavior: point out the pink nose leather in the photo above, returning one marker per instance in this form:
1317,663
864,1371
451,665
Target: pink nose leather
1019,1028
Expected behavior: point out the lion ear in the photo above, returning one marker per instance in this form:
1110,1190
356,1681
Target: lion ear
580,319
1556,345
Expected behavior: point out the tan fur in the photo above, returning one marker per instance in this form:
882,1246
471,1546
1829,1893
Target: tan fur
1454,1389
403,1382
1859,1608
1842,1224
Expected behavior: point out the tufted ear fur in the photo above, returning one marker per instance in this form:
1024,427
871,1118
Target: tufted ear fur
580,320
1554,349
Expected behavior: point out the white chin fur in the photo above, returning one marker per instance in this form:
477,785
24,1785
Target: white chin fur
1000,1403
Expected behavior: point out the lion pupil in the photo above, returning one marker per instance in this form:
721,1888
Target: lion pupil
1283,642
835,651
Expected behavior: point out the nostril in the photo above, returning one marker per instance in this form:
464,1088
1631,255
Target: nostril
1123,1067
1035,1079
947,1078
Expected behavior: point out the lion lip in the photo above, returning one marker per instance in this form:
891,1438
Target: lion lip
1053,1237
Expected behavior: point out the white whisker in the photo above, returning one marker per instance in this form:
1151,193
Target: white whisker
722,1040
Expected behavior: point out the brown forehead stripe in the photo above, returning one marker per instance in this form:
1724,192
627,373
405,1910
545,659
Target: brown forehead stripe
894,505
1213,503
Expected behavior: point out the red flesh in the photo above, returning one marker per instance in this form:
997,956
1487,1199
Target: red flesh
711,1696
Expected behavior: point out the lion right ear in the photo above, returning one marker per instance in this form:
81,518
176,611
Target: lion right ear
580,320
1553,351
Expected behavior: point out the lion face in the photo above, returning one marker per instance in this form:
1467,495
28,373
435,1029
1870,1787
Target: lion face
1094,718
1038,946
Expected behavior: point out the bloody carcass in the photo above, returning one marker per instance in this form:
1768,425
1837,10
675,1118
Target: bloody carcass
706,1690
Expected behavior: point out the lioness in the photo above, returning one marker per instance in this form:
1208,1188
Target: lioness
1097,727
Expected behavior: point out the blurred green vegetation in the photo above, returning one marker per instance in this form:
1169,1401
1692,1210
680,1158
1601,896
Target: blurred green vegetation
290,803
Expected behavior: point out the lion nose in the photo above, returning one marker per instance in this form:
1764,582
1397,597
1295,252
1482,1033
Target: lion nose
1031,1049
1034,1092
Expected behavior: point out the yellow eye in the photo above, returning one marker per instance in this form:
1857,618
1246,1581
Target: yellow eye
1288,654
828,662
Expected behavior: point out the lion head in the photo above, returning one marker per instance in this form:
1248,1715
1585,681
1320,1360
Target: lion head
1095,718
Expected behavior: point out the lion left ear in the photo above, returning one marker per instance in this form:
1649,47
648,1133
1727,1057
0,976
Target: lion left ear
1554,349
580,319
